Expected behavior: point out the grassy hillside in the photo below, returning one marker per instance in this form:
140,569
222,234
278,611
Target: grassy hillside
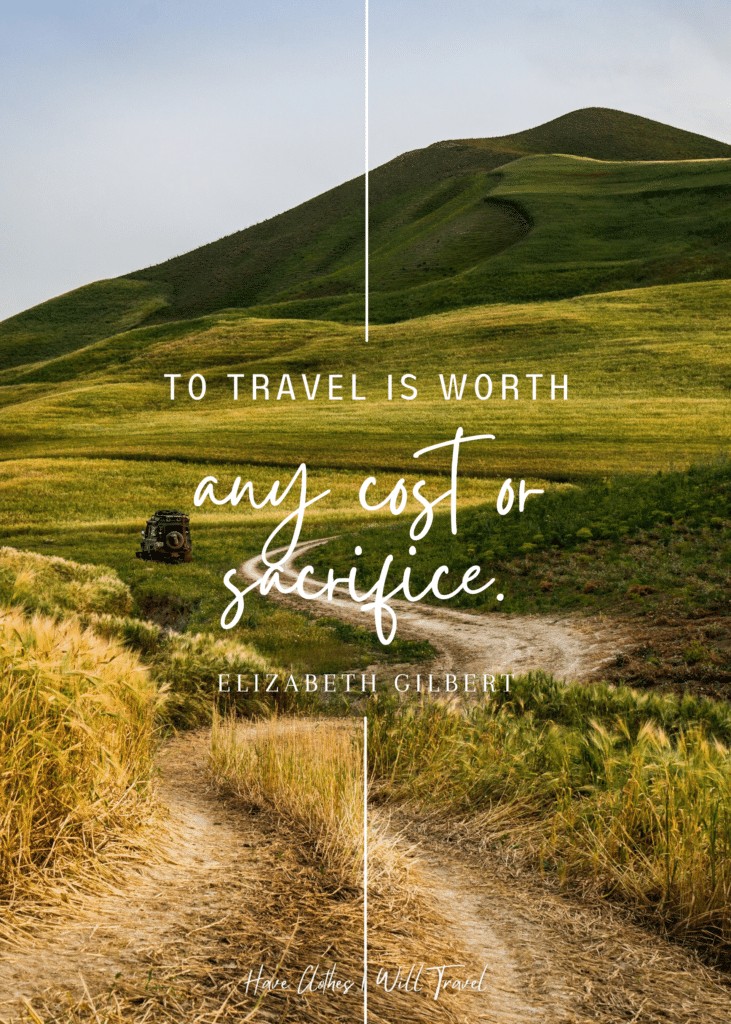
435,214
552,227
649,372
458,223
659,542
71,321
640,363
605,134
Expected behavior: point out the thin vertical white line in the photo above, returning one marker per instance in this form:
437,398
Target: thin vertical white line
366,170
365,719
365,870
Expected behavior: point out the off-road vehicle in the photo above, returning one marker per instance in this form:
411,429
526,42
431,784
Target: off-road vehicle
166,538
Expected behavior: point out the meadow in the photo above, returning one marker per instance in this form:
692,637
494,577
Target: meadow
94,445
648,376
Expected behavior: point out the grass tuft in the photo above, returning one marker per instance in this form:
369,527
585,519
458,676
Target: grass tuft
310,773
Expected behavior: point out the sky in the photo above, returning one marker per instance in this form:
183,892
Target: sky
132,132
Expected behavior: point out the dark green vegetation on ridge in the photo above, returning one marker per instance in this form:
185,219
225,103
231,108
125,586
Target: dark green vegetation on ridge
659,541
605,134
459,223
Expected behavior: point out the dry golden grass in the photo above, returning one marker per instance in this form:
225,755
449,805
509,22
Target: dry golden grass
76,749
267,901
624,809
307,772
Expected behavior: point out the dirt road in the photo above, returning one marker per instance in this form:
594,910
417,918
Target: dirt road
567,646
228,891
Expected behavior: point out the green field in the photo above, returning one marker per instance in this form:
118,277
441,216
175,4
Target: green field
607,263
649,373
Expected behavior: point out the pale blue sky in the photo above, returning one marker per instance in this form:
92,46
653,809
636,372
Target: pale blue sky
133,132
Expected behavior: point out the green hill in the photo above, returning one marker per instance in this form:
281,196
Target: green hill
459,223
604,134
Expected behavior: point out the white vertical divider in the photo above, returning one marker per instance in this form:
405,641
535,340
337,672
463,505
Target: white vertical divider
366,169
365,870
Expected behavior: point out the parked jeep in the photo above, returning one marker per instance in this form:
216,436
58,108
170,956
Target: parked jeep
166,538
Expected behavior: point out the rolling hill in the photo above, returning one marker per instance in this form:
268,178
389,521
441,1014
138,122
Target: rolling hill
487,258
649,377
603,134
459,223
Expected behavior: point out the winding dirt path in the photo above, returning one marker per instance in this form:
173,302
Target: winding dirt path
125,939
570,647
229,890
568,961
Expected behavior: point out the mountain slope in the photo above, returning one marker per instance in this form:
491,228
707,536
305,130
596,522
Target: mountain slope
458,223
604,134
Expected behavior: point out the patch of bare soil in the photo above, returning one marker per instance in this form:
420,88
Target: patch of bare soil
568,646
170,613
678,653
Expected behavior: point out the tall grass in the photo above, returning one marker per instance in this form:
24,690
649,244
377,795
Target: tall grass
637,812
78,732
187,666
656,829
47,583
309,773
548,700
